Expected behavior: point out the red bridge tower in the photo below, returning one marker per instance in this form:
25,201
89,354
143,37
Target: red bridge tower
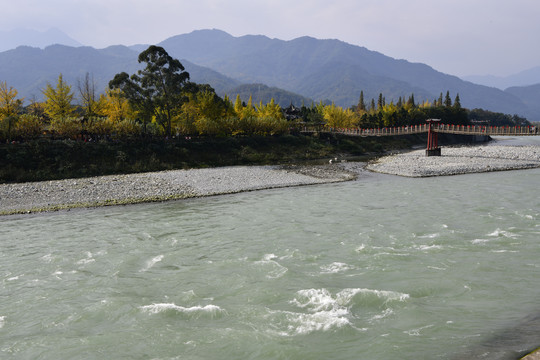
433,148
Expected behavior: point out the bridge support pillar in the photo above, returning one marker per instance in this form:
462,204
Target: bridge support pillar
433,148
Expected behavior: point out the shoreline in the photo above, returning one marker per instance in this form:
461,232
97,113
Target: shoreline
110,190
459,160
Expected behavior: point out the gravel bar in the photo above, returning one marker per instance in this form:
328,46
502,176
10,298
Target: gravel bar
159,186
180,184
458,160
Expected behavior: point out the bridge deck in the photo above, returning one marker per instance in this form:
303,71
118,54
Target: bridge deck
440,128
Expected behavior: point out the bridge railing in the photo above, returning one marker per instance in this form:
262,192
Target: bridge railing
486,130
422,128
385,131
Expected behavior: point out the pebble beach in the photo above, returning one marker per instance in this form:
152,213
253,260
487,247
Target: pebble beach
158,186
458,160
180,184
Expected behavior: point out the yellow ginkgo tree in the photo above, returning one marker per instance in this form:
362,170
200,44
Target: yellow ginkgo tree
58,99
10,108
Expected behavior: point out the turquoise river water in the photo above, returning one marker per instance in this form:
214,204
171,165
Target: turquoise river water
383,267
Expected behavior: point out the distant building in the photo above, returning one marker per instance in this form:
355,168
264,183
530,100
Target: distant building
292,112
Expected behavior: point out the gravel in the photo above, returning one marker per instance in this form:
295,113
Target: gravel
458,160
158,186
179,184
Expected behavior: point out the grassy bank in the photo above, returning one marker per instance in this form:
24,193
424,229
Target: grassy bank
47,159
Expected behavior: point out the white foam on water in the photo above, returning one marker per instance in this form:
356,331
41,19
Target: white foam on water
325,311
429,236
384,314
85,261
385,295
315,299
428,247
479,241
436,268
2,320
336,267
360,248
150,263
276,270
502,233
211,310
417,332
320,321
89,259
526,216
268,257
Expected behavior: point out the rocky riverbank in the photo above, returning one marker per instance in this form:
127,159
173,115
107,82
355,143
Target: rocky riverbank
179,184
159,186
458,160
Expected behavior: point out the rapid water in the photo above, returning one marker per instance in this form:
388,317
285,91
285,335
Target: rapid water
380,268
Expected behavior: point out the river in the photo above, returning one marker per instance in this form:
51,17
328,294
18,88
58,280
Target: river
383,267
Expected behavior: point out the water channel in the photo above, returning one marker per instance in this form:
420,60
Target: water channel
379,268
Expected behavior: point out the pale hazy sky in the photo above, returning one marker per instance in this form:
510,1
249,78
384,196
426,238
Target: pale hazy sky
458,37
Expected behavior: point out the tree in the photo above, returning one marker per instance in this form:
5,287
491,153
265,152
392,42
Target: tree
410,102
457,102
58,100
270,110
115,106
10,107
380,102
156,91
361,107
89,98
447,100
9,104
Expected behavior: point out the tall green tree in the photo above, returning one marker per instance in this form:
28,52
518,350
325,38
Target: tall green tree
457,102
380,102
157,90
447,100
411,102
361,103
58,99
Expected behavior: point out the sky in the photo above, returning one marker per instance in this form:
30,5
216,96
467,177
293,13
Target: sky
458,37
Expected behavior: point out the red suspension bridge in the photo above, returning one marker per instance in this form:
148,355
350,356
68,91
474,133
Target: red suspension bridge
432,127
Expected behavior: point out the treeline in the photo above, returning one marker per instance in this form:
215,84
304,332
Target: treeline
382,114
160,101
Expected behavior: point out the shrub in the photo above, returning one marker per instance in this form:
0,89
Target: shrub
29,127
7,127
127,128
100,126
68,127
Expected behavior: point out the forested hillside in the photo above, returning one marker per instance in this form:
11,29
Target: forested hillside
295,70
329,69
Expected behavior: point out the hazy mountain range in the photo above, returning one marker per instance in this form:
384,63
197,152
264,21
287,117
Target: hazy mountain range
41,39
523,78
302,69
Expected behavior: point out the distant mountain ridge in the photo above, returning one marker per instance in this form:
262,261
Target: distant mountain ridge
301,69
524,78
29,69
330,69
25,37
